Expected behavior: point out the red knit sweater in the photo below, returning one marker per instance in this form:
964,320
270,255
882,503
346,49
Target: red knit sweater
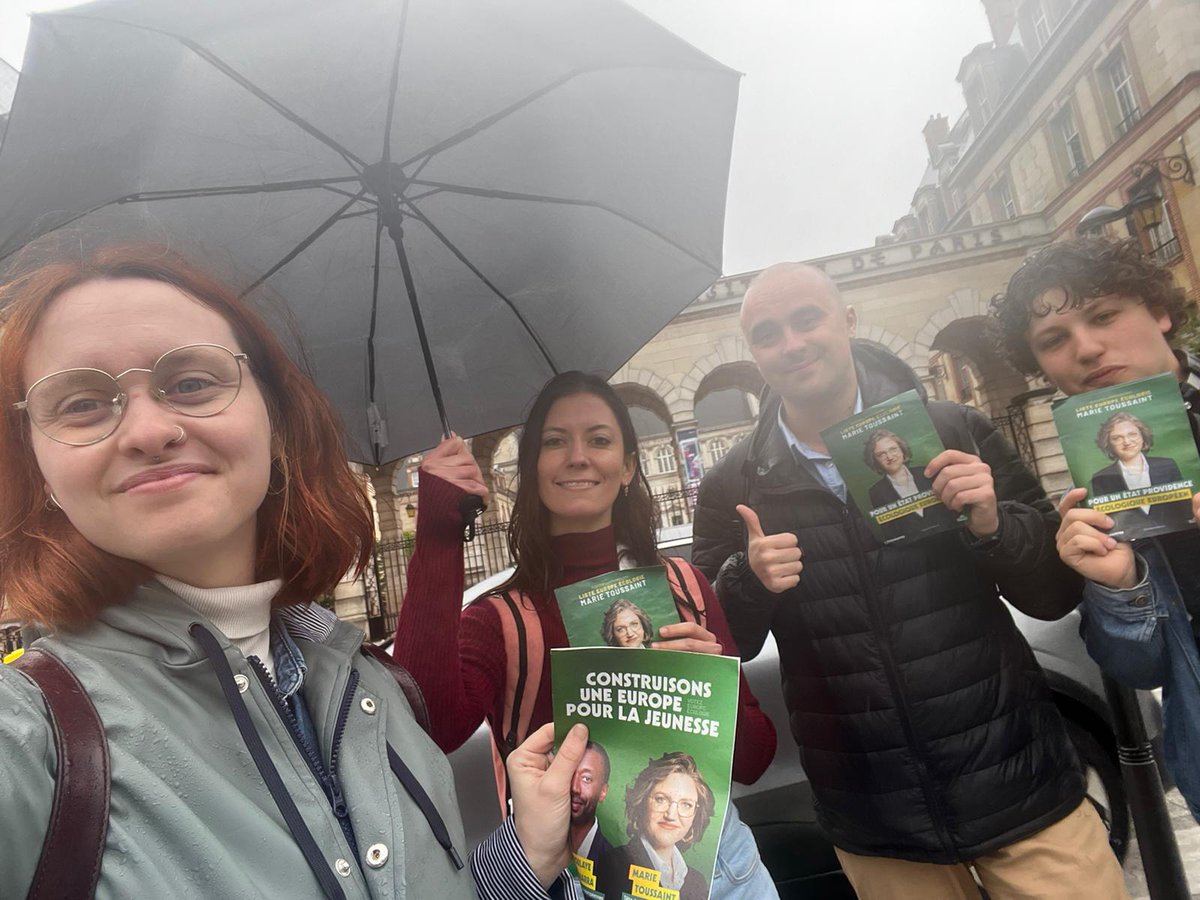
457,656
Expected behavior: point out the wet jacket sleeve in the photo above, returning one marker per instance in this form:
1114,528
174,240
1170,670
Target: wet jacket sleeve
719,552
27,748
1125,630
456,658
754,746
1021,555
501,871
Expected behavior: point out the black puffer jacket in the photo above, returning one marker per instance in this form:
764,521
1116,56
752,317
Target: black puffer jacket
925,725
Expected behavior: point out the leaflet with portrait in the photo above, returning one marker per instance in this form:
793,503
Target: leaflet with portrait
881,454
617,609
650,796
1131,446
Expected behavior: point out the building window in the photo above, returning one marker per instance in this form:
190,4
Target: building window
1124,101
1158,240
1070,143
977,100
1005,205
664,460
717,448
1036,24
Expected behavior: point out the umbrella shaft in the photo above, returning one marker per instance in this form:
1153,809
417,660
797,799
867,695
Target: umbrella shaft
396,232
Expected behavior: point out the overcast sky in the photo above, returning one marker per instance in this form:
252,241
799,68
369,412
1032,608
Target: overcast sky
828,147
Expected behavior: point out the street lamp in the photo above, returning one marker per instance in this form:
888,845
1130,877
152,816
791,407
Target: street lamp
410,510
1144,211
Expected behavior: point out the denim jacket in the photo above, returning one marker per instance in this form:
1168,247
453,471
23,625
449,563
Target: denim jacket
1143,637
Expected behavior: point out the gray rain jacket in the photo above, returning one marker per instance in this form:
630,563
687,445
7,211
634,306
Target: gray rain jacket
190,815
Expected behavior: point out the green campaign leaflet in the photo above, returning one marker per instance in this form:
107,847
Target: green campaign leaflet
882,453
1131,446
655,780
617,609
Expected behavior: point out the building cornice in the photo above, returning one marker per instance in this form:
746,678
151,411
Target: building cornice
903,259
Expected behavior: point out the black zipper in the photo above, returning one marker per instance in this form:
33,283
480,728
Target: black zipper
293,727
328,782
307,844
339,728
889,669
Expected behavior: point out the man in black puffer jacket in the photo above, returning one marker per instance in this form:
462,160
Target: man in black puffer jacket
925,724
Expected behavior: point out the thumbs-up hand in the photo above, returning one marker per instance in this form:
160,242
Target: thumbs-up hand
774,558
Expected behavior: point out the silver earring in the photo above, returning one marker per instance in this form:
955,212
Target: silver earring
626,490
52,502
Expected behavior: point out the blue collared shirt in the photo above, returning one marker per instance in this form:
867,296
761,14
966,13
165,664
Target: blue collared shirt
820,463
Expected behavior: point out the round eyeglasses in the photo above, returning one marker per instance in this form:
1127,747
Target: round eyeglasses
685,809
84,406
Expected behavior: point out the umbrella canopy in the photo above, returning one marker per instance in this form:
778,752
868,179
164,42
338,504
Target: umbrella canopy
544,178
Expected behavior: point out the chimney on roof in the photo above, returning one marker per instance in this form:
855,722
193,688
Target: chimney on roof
937,132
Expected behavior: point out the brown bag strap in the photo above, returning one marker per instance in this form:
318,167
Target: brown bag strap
408,684
74,846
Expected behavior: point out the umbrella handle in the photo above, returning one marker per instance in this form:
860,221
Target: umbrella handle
471,508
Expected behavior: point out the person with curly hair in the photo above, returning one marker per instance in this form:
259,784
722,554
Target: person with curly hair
1124,438
626,625
667,810
1091,313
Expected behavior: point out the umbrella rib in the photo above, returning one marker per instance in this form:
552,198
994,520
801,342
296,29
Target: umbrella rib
461,257
235,189
293,117
494,194
495,117
488,121
306,243
394,84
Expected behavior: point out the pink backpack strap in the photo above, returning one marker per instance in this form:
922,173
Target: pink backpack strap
685,584
524,654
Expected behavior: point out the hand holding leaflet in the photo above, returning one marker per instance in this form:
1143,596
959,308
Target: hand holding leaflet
541,792
1084,544
963,482
1131,446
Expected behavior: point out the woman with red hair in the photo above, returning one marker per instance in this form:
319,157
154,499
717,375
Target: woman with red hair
175,494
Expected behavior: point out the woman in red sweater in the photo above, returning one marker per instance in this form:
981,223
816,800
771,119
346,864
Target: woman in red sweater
583,507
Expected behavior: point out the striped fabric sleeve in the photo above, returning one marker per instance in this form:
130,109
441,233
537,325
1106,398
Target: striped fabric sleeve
310,621
501,871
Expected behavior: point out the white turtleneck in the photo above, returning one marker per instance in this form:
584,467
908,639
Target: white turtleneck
242,613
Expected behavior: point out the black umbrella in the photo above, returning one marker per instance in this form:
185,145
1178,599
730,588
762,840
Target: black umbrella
542,180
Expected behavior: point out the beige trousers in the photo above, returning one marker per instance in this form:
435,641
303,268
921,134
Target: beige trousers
1070,860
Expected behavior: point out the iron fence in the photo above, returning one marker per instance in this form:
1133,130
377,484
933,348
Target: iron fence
1017,428
675,507
386,578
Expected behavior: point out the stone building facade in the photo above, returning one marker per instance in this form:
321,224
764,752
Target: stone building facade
1074,105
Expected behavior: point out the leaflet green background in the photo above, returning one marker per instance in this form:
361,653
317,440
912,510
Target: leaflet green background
631,746
584,623
1164,414
914,425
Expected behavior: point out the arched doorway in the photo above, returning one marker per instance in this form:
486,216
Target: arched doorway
726,408
966,367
